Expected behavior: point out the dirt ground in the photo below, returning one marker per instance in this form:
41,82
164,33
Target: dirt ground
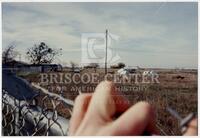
176,89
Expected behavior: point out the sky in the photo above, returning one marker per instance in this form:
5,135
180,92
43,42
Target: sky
159,35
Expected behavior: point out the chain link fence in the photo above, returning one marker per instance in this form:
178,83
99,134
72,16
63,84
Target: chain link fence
38,116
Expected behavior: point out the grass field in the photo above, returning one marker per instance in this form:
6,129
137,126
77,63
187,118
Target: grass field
177,89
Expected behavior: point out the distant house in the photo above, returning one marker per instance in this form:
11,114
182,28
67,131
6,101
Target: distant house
18,66
50,67
15,64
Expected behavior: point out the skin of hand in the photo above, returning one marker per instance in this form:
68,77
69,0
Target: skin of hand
95,114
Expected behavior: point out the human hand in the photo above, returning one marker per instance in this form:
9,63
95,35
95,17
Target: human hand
192,128
94,114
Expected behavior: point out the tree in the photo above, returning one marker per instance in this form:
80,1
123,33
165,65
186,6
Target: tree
118,66
73,65
121,65
8,54
42,53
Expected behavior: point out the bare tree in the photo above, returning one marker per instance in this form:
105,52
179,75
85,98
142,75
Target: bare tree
8,54
42,53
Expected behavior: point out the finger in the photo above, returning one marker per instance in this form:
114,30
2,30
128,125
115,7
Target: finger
192,128
80,107
135,120
106,101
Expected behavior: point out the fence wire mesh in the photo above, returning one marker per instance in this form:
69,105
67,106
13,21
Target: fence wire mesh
38,116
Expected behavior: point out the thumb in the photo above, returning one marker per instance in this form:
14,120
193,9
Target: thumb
135,121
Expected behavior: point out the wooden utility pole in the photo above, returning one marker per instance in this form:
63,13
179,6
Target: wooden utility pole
106,51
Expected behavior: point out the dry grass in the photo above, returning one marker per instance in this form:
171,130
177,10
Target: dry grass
178,93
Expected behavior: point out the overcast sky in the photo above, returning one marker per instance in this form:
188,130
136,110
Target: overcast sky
150,34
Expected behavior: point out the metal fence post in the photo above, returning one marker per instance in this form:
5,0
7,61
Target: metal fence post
17,103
